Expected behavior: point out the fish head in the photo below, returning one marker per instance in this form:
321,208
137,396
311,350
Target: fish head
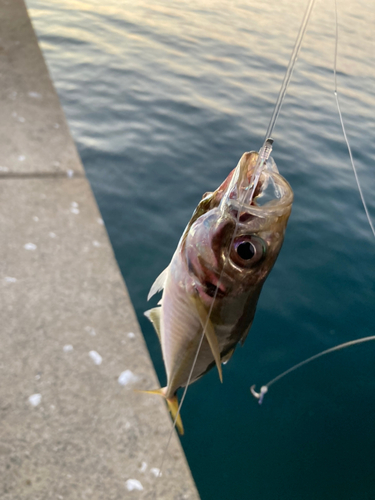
233,242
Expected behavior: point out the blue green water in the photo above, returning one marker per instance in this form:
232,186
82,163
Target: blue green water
162,98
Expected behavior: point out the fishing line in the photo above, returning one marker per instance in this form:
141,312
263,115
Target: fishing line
264,388
198,349
290,68
266,150
191,372
263,156
343,126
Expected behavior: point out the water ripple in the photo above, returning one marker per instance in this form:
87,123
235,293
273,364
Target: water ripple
162,99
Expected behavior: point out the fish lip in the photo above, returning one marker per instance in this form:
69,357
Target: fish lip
210,285
209,291
239,181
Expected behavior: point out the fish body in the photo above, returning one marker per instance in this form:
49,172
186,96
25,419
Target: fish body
212,285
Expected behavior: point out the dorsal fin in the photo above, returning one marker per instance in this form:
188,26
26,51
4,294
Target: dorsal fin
154,316
209,331
158,283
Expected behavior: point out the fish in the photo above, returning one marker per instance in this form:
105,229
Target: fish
212,285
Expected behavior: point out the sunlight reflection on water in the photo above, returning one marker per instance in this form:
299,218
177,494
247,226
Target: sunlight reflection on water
162,99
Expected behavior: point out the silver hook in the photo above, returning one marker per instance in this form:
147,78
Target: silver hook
259,395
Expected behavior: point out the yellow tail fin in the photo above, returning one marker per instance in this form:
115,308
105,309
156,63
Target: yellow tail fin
172,407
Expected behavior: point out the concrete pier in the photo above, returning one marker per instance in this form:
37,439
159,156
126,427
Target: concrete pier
71,351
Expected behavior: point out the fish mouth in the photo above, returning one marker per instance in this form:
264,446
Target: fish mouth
272,196
209,290
213,290
211,285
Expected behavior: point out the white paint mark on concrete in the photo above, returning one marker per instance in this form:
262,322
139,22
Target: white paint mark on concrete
70,173
95,356
21,158
96,243
143,467
21,119
30,246
127,377
155,471
35,218
4,169
134,484
131,335
74,207
90,330
9,279
35,399
100,221
35,95
52,235
37,377
127,425
68,348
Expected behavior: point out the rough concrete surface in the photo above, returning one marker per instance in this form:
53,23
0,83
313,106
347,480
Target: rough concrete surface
34,134
68,428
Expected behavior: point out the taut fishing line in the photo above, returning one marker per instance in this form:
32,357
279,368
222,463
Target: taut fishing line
261,161
264,389
343,127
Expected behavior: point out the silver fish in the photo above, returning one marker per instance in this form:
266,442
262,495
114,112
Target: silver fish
216,274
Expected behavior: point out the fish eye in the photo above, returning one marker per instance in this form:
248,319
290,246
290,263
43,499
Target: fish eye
248,250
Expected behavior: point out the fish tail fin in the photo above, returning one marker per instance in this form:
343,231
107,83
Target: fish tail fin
173,408
158,392
172,404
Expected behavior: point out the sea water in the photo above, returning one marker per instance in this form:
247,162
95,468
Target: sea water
162,98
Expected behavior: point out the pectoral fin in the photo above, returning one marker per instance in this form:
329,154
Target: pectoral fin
154,316
209,332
